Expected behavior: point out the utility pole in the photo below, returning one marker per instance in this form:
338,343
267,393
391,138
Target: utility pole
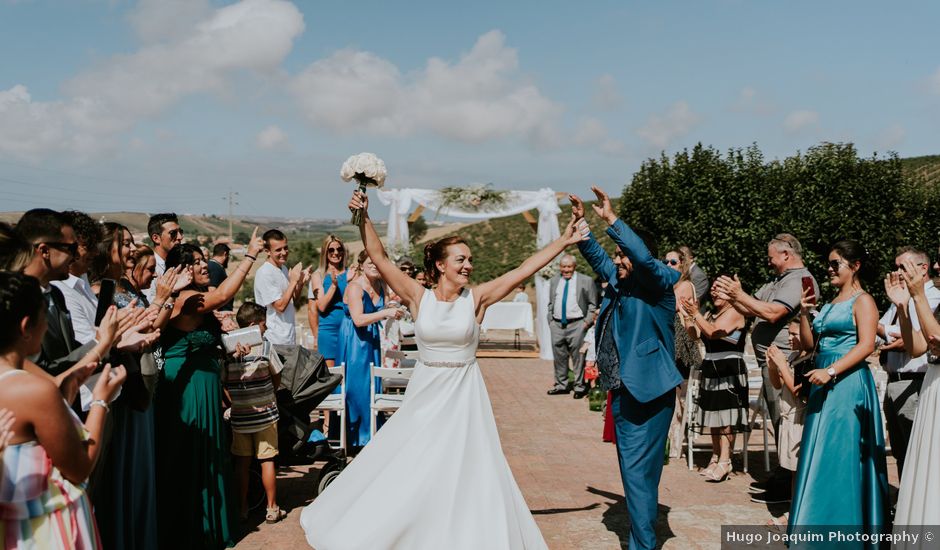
231,207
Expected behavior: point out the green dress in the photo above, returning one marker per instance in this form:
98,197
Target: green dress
192,446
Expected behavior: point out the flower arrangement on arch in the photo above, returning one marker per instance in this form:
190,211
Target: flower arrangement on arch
474,198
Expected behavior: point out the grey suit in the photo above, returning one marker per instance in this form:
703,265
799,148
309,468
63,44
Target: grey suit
567,339
701,284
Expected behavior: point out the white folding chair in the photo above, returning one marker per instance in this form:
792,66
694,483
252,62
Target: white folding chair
381,401
336,402
758,405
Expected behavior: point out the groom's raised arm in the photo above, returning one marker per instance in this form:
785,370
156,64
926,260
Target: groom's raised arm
643,261
598,258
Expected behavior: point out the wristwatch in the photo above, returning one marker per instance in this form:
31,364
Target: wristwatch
831,372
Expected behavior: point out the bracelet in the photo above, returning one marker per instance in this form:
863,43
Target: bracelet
158,304
101,403
253,258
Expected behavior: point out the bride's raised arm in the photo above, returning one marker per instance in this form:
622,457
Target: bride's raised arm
408,289
493,291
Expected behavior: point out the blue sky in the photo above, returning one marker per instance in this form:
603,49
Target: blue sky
169,104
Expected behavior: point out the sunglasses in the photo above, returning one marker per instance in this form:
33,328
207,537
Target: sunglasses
175,232
70,248
671,262
334,250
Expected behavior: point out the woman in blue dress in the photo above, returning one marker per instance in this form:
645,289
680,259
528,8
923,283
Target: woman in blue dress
360,345
842,477
327,287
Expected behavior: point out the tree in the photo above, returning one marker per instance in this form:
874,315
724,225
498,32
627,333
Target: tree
727,208
417,230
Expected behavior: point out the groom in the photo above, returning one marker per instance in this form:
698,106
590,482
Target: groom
635,356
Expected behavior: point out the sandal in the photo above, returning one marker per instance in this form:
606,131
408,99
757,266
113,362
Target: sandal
275,515
720,472
707,470
778,524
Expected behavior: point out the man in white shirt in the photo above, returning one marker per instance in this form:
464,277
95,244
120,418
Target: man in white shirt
572,303
165,232
276,288
905,373
79,298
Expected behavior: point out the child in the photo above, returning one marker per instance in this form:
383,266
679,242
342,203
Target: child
785,372
251,379
521,295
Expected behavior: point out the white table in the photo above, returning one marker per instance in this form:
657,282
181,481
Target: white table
509,316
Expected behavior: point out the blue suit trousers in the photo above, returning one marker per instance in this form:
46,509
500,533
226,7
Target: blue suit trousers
641,445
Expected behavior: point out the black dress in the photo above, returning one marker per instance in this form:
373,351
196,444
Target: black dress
723,392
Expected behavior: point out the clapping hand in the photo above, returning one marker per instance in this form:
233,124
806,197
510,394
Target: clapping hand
690,306
71,380
729,288
602,207
896,288
296,273
913,278
109,383
775,356
577,206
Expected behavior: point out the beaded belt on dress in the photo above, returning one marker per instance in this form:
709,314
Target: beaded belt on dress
449,364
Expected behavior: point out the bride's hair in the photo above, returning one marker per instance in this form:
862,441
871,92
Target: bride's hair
437,252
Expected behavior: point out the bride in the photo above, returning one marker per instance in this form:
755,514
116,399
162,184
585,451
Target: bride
435,475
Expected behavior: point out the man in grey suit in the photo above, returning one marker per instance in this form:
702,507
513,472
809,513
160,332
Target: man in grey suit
572,304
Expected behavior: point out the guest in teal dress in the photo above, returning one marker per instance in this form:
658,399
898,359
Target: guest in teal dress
842,475
360,345
193,500
327,287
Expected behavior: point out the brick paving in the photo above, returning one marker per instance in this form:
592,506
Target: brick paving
568,475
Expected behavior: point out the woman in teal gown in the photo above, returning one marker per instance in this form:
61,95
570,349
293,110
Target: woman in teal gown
193,503
842,474
361,345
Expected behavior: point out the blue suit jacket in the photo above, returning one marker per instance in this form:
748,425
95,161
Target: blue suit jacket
636,327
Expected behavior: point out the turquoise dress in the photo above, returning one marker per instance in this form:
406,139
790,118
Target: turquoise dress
331,320
360,346
842,474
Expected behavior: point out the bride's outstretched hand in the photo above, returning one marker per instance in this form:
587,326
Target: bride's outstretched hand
359,200
577,206
573,234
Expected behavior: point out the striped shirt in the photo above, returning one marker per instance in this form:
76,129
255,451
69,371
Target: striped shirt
250,384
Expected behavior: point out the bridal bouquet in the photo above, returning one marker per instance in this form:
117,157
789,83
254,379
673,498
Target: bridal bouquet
368,170
551,269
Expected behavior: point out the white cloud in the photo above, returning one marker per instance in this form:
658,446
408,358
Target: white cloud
112,97
590,131
160,20
271,137
751,101
891,137
607,94
677,122
479,97
800,120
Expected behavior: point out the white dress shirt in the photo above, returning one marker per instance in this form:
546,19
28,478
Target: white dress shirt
82,304
900,360
158,270
572,308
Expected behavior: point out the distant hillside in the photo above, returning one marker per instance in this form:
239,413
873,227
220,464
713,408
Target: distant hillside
502,244
926,168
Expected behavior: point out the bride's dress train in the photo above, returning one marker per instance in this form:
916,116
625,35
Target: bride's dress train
434,477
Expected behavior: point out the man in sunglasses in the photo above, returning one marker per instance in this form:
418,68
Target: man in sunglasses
772,307
54,249
905,373
165,232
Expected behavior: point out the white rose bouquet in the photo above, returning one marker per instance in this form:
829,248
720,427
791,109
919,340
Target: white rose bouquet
368,170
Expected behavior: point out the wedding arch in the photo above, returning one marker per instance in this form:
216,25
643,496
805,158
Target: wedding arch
510,203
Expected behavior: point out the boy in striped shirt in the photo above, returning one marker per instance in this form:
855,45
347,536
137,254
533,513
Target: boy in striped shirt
251,378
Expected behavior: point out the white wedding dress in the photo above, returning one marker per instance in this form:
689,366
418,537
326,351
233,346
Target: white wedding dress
919,497
434,477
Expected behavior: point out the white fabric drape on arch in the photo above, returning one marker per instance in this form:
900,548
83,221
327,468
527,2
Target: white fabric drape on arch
400,201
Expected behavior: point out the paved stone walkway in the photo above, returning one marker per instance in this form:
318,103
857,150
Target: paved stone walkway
568,475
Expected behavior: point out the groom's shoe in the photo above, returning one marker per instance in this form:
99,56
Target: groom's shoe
580,394
558,391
